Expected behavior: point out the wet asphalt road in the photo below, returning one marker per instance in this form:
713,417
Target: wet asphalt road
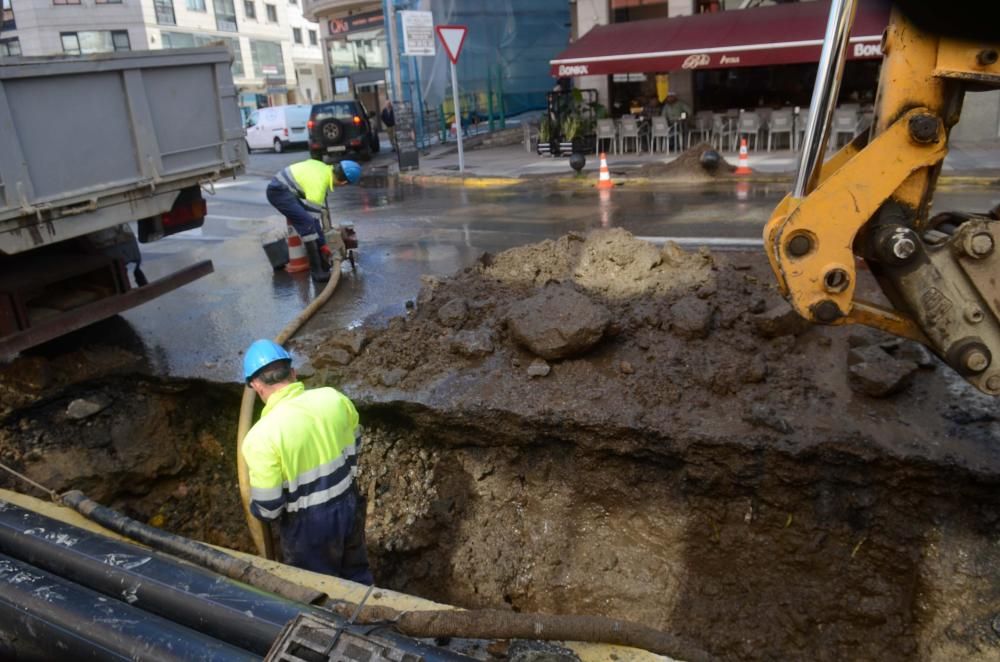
404,232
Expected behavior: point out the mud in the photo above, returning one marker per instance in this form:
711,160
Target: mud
706,467
688,167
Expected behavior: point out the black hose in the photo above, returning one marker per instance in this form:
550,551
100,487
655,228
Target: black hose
190,550
162,585
44,617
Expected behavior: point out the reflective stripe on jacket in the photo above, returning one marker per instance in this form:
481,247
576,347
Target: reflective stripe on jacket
302,453
311,180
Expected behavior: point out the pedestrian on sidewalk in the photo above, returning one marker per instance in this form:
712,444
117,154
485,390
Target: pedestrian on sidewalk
389,122
301,457
299,191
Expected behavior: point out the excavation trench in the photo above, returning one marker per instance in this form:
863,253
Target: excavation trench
706,466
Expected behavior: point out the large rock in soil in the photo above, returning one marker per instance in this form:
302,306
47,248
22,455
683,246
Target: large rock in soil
874,372
691,317
558,323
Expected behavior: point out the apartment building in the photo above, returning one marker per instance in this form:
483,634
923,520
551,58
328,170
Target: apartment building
269,66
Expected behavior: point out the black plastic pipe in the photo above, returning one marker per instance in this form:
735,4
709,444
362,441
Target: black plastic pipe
190,550
44,617
191,596
167,586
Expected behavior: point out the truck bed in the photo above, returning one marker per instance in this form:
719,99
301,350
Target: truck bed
87,143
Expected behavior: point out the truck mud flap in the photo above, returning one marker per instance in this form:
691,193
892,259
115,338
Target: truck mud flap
88,314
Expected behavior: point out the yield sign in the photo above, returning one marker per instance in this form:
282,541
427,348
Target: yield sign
452,36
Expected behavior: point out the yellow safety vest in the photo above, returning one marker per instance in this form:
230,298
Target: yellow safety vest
309,179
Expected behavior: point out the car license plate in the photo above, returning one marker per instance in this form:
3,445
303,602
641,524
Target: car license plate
336,148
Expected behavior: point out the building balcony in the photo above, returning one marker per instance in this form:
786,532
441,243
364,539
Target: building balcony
321,10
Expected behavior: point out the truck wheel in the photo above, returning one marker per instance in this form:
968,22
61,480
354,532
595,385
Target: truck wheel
278,147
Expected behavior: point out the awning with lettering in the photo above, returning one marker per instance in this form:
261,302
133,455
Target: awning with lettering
780,34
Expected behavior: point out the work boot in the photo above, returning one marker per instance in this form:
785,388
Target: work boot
318,271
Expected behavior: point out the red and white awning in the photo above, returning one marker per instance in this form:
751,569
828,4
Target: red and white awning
780,34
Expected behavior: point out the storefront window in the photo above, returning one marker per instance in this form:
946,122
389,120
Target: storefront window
189,40
225,15
267,58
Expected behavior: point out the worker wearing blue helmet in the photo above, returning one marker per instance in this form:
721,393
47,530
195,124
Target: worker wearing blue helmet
301,457
299,191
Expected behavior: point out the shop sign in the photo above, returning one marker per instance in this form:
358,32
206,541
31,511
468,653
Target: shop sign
695,61
574,70
269,69
628,78
347,24
867,50
729,59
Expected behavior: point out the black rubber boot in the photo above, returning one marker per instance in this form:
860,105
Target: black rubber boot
318,271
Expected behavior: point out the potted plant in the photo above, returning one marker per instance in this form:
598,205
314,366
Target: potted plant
570,132
544,136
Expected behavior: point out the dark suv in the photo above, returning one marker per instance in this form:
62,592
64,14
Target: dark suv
338,128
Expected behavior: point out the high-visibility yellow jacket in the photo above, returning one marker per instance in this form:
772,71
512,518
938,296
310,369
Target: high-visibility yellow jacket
302,453
311,180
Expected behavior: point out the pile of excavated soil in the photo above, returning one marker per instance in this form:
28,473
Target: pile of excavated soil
688,166
689,455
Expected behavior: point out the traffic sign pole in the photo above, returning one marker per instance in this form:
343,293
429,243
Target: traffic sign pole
453,37
458,116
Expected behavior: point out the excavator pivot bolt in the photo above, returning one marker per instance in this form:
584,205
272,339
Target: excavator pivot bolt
827,311
903,247
976,361
987,57
924,128
799,245
981,244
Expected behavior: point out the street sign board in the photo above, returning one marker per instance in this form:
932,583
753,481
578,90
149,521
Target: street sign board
453,37
418,32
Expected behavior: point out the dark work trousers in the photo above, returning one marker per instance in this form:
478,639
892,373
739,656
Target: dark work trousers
329,538
291,207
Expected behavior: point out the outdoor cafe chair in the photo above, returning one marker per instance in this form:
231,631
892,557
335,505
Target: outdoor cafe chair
606,131
701,126
801,121
749,125
660,135
781,122
629,131
845,122
723,131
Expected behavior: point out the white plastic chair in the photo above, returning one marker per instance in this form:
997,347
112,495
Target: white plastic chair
660,135
749,125
629,131
606,131
845,122
701,126
723,131
781,122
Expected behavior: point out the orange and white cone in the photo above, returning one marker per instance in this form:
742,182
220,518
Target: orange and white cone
298,261
604,179
743,165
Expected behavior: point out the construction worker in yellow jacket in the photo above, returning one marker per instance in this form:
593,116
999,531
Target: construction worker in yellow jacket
301,457
299,191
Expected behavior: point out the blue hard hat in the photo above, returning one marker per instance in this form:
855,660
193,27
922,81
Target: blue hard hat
352,171
260,354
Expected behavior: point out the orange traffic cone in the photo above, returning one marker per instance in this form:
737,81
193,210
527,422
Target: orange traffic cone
743,165
297,259
604,179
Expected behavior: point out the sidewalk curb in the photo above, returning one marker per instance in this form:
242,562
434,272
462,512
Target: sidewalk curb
459,180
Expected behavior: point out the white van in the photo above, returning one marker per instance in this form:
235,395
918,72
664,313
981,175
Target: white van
278,127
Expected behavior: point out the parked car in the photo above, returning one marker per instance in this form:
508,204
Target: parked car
339,128
278,127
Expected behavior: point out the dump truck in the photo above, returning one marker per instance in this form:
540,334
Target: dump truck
97,154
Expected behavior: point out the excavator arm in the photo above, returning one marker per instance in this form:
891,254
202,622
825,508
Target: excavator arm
870,203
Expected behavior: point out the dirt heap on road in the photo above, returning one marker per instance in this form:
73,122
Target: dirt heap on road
689,166
597,425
